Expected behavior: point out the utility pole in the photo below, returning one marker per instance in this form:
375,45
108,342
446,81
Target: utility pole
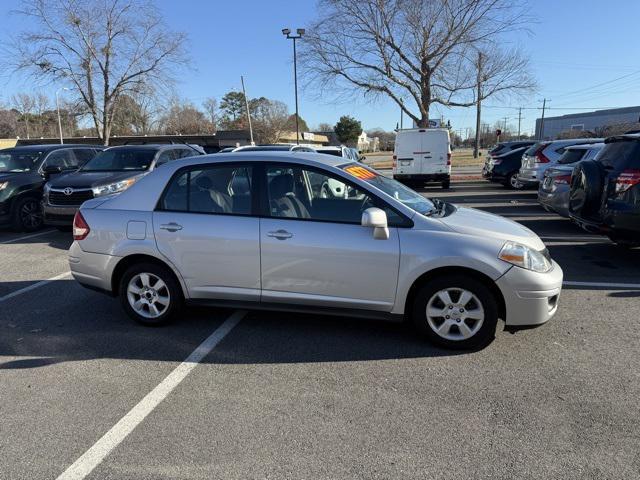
246,104
505,124
476,148
544,104
519,120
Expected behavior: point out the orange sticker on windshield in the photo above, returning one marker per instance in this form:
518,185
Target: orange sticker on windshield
360,172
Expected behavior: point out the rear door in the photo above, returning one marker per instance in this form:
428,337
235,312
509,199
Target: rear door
435,150
407,149
204,225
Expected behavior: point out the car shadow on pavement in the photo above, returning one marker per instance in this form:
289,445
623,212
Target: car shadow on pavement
66,323
53,238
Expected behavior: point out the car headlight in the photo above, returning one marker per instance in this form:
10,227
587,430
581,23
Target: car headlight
113,187
525,257
3,185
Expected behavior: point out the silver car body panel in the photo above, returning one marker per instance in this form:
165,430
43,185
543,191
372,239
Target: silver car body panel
320,264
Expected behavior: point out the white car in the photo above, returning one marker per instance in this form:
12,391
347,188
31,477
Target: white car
251,230
422,155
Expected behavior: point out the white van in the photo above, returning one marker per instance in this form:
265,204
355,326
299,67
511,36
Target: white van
422,155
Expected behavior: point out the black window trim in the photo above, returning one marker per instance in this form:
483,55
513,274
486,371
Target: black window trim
203,166
264,199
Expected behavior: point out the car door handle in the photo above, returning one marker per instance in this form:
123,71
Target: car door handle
171,227
280,234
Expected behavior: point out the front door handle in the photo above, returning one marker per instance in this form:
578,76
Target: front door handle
280,234
171,227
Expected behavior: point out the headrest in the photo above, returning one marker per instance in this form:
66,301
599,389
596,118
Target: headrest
280,185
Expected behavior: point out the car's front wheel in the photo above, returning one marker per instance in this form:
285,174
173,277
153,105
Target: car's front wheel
456,311
150,294
27,215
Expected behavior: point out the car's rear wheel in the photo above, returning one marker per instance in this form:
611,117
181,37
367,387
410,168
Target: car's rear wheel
446,184
513,183
27,214
456,311
150,294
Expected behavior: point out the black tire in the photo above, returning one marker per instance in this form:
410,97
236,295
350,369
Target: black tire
486,329
586,189
512,182
173,289
446,184
27,215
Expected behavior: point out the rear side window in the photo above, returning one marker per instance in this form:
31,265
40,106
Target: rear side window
571,156
216,189
620,155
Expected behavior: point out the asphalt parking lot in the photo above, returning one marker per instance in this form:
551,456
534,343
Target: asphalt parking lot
290,396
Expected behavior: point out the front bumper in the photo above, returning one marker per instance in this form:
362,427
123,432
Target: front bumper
93,270
57,215
530,298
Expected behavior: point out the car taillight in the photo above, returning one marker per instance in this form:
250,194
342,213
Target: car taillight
448,159
496,161
539,156
80,227
562,179
626,180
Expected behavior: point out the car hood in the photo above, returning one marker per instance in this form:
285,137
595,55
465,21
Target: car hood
82,179
474,222
9,176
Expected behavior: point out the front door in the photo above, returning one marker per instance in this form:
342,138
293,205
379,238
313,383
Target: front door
205,228
314,250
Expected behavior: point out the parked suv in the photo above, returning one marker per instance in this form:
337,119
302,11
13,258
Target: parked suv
553,193
188,232
505,147
543,155
112,171
23,173
605,193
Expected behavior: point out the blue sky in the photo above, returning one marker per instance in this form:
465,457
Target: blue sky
575,45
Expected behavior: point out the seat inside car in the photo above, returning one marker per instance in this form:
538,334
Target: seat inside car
209,197
283,200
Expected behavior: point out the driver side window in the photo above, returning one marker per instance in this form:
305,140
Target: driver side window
296,192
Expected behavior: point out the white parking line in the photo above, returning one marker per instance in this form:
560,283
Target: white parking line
27,236
633,286
34,286
110,440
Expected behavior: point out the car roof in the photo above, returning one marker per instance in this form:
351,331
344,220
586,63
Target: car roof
627,136
149,146
302,158
47,147
265,148
585,146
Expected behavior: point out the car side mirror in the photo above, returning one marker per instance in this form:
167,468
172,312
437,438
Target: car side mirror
51,170
376,218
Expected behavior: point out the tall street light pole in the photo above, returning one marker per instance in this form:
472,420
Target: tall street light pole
287,33
58,108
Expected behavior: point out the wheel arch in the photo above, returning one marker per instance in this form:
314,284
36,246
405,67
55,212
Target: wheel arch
129,260
437,272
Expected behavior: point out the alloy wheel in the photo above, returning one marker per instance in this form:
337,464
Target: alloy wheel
148,295
513,181
455,314
30,215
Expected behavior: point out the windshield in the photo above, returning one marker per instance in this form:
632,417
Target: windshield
571,156
16,161
395,189
119,160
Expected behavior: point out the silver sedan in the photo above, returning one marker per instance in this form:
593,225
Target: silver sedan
253,230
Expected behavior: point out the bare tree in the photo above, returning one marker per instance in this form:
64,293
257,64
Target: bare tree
104,48
41,106
270,119
24,104
416,52
183,118
211,108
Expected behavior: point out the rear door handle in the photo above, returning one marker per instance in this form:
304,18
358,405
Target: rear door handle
171,227
280,234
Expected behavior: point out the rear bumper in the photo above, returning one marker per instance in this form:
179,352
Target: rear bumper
623,223
530,176
55,215
557,201
92,270
422,177
530,298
